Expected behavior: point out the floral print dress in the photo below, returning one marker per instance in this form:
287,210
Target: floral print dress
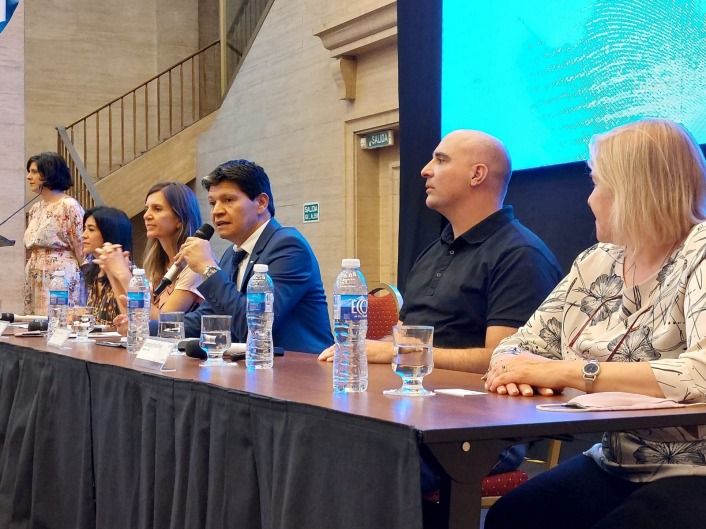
53,239
591,314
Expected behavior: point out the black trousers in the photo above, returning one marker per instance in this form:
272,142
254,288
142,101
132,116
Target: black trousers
579,494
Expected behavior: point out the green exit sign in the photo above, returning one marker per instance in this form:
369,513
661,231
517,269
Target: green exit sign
375,140
311,212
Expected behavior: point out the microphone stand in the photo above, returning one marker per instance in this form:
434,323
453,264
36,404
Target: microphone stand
4,241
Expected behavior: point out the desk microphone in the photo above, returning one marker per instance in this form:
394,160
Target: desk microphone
205,232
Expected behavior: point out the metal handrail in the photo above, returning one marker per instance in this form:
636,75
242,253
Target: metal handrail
129,125
202,50
83,190
152,112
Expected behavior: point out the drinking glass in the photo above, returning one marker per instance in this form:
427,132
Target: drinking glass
83,320
171,327
215,339
413,359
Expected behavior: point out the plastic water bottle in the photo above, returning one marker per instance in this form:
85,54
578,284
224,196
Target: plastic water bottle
138,310
261,298
350,323
58,302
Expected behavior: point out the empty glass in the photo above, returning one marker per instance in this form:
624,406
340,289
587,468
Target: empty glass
171,327
413,359
83,320
215,340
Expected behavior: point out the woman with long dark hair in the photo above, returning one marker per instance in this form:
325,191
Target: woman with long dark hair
103,226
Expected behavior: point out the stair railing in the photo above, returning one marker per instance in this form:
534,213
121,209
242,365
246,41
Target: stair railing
131,124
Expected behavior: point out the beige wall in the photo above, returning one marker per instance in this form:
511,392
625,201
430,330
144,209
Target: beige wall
283,112
80,54
12,158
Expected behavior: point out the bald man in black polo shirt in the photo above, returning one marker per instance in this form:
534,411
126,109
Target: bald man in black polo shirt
486,274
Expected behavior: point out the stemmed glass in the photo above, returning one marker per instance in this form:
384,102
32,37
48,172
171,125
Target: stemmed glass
413,359
171,327
215,339
83,320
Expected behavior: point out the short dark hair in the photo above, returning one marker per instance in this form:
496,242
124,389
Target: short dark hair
114,225
53,170
248,176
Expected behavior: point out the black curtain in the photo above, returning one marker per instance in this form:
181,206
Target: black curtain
551,201
419,45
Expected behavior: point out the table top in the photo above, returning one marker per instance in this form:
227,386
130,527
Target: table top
301,378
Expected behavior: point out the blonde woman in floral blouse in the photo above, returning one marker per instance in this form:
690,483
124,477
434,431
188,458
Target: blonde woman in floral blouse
629,317
53,234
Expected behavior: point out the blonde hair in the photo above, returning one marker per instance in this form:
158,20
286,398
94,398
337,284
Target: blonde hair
656,173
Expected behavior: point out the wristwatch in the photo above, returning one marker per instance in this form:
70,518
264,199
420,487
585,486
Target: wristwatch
590,370
209,271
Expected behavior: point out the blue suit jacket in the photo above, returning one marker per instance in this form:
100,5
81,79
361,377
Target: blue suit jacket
301,320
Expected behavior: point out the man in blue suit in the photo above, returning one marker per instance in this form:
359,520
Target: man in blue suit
242,211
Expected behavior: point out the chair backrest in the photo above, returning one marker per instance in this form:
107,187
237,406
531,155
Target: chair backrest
384,303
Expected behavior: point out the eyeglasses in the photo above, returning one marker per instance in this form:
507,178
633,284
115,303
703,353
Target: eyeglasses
635,326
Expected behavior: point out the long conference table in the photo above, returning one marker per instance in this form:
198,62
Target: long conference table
88,441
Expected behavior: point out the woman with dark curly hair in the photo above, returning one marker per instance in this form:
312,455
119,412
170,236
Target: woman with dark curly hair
53,234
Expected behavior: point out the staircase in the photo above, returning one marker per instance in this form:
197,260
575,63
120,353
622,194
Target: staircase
163,110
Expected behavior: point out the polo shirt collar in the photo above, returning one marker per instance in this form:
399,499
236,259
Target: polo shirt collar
484,229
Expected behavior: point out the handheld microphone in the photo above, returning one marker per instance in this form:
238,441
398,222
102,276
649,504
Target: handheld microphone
205,232
234,353
12,318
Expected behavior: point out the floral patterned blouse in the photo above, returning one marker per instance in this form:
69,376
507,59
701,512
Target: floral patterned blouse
53,237
592,314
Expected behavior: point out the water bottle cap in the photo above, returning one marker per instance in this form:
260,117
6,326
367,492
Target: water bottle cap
350,263
138,272
59,273
260,268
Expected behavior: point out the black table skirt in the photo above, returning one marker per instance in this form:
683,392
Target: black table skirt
94,445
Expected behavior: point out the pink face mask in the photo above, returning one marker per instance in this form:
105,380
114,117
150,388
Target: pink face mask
614,401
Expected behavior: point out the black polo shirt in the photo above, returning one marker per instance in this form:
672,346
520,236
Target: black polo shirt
495,274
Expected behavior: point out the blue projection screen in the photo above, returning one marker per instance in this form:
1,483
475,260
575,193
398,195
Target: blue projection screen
544,76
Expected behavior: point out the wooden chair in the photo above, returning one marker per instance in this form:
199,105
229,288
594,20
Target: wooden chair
500,484
384,303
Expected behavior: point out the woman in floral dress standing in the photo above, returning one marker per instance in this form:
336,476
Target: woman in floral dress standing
54,230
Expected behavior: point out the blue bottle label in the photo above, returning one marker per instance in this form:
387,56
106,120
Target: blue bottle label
138,300
353,307
58,297
260,302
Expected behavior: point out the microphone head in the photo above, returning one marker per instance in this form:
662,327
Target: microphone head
205,232
194,350
38,325
8,316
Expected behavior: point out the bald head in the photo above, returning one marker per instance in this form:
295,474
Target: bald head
482,148
467,178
